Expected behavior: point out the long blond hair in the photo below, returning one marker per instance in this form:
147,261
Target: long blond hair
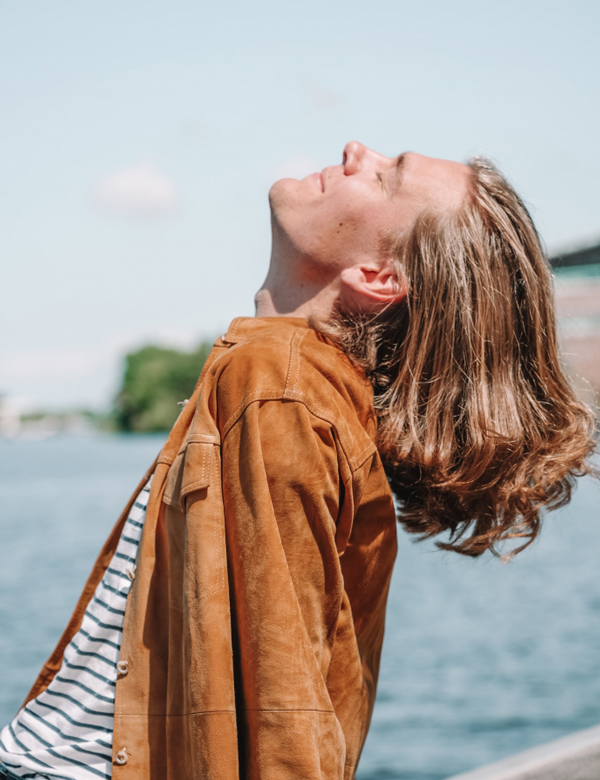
479,427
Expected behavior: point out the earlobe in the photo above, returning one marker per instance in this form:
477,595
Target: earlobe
374,284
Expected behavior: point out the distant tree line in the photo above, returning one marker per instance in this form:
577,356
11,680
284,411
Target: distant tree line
154,382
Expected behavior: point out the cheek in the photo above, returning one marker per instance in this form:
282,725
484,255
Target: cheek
360,228
341,216
336,228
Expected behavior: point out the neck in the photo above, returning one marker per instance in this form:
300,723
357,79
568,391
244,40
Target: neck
287,293
275,301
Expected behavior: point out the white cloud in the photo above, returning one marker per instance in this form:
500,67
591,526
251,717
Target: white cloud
322,98
138,190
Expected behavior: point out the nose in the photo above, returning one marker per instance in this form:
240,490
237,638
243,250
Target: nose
357,156
354,153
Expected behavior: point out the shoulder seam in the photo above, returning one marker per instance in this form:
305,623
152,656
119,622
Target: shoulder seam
290,392
295,342
353,463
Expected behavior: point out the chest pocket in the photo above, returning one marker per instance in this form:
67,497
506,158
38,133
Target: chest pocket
193,469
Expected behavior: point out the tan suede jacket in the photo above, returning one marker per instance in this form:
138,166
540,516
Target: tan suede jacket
254,626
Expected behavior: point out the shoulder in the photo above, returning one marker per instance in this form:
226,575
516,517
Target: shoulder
290,363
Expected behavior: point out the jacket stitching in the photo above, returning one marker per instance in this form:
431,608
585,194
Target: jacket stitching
258,395
297,395
268,395
300,340
218,539
219,534
289,368
367,452
295,353
204,480
232,332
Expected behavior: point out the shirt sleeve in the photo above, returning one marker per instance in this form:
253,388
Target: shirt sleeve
281,489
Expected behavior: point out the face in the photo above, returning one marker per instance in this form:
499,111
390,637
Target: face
339,216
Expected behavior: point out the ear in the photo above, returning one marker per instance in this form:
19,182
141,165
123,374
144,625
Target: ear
375,283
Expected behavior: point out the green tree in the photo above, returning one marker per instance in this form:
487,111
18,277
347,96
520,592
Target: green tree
154,381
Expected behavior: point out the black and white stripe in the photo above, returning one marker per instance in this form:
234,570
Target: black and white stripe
66,733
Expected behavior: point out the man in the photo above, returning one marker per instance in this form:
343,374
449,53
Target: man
232,625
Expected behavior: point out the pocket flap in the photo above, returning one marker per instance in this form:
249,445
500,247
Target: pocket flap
191,469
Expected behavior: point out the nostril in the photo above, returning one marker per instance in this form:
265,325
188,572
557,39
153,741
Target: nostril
344,158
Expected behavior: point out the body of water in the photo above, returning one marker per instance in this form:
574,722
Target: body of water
480,659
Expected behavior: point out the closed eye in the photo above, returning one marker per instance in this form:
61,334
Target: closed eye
383,182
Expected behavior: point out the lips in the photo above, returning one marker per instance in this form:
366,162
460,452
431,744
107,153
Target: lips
318,180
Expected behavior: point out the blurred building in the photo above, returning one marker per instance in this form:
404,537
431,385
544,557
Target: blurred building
577,274
10,418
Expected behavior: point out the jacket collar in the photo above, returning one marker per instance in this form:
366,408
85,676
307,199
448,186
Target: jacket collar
243,328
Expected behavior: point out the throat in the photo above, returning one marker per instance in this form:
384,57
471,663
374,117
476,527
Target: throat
300,300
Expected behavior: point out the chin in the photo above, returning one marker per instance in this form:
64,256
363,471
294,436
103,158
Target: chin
282,196
282,188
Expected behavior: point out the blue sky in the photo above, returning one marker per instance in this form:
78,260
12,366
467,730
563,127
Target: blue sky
140,139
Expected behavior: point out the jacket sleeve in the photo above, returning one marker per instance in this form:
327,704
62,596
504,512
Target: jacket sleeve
281,489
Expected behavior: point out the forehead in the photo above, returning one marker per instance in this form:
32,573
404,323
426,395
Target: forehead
433,179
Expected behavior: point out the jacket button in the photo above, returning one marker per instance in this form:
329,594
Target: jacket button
131,573
122,667
121,757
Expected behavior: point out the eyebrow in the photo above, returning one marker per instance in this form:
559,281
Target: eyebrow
399,170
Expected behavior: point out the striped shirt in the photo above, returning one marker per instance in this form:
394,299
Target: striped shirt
67,731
